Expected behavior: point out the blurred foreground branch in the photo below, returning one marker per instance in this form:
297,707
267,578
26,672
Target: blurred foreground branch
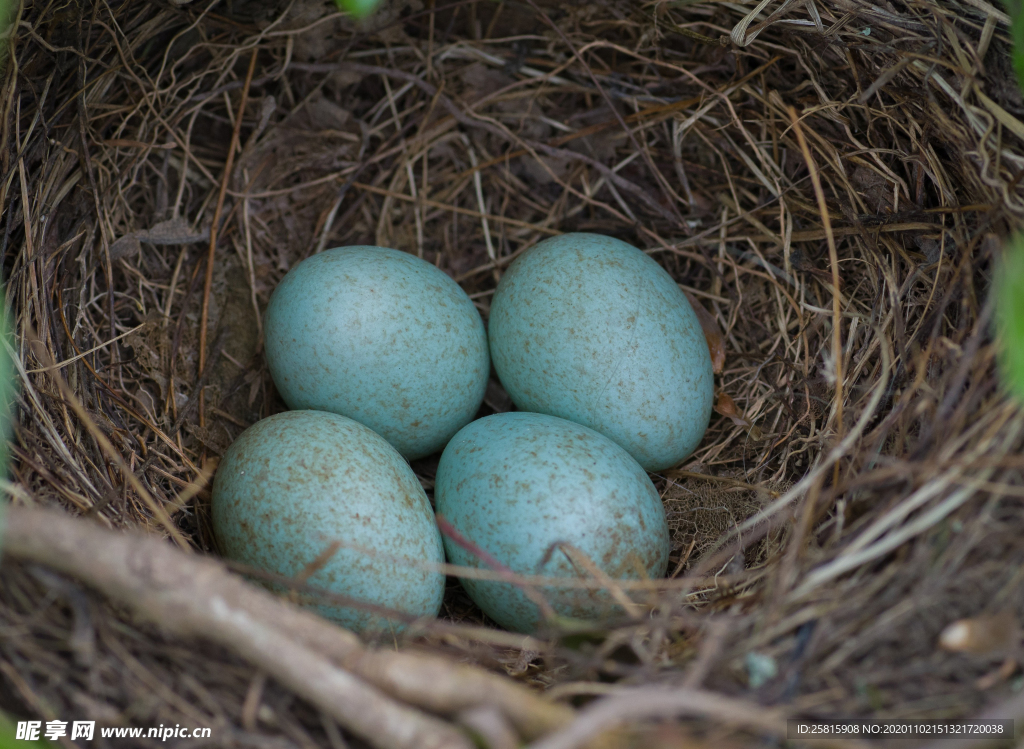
191,596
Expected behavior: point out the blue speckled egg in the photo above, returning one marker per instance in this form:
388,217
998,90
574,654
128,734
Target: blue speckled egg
590,329
292,485
514,484
382,337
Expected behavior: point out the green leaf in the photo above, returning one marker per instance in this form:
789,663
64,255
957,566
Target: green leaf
358,8
1016,10
8,732
1009,289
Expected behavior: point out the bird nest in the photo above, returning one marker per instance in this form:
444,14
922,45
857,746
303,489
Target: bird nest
829,181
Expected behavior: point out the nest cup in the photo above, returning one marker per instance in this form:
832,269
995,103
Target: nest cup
830,196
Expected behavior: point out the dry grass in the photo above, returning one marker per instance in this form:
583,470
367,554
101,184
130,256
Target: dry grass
879,496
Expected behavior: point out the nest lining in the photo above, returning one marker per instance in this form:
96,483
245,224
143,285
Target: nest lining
465,133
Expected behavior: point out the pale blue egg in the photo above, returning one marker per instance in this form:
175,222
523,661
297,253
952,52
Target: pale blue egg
590,329
382,337
308,487
516,484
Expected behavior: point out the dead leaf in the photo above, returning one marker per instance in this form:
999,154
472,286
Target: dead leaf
172,231
713,334
874,188
982,635
324,114
343,78
267,108
204,435
726,406
126,246
998,676
481,81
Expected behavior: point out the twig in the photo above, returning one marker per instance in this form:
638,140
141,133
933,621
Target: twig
225,177
453,533
678,473
837,313
195,596
61,365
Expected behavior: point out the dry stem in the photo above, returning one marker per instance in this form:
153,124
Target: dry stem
191,596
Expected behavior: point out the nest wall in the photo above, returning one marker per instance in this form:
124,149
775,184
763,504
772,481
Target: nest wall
860,484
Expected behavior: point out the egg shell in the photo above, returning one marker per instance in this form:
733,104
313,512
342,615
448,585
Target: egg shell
382,337
295,483
590,329
516,483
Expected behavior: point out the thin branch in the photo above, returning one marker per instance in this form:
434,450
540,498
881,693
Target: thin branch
193,596
208,281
